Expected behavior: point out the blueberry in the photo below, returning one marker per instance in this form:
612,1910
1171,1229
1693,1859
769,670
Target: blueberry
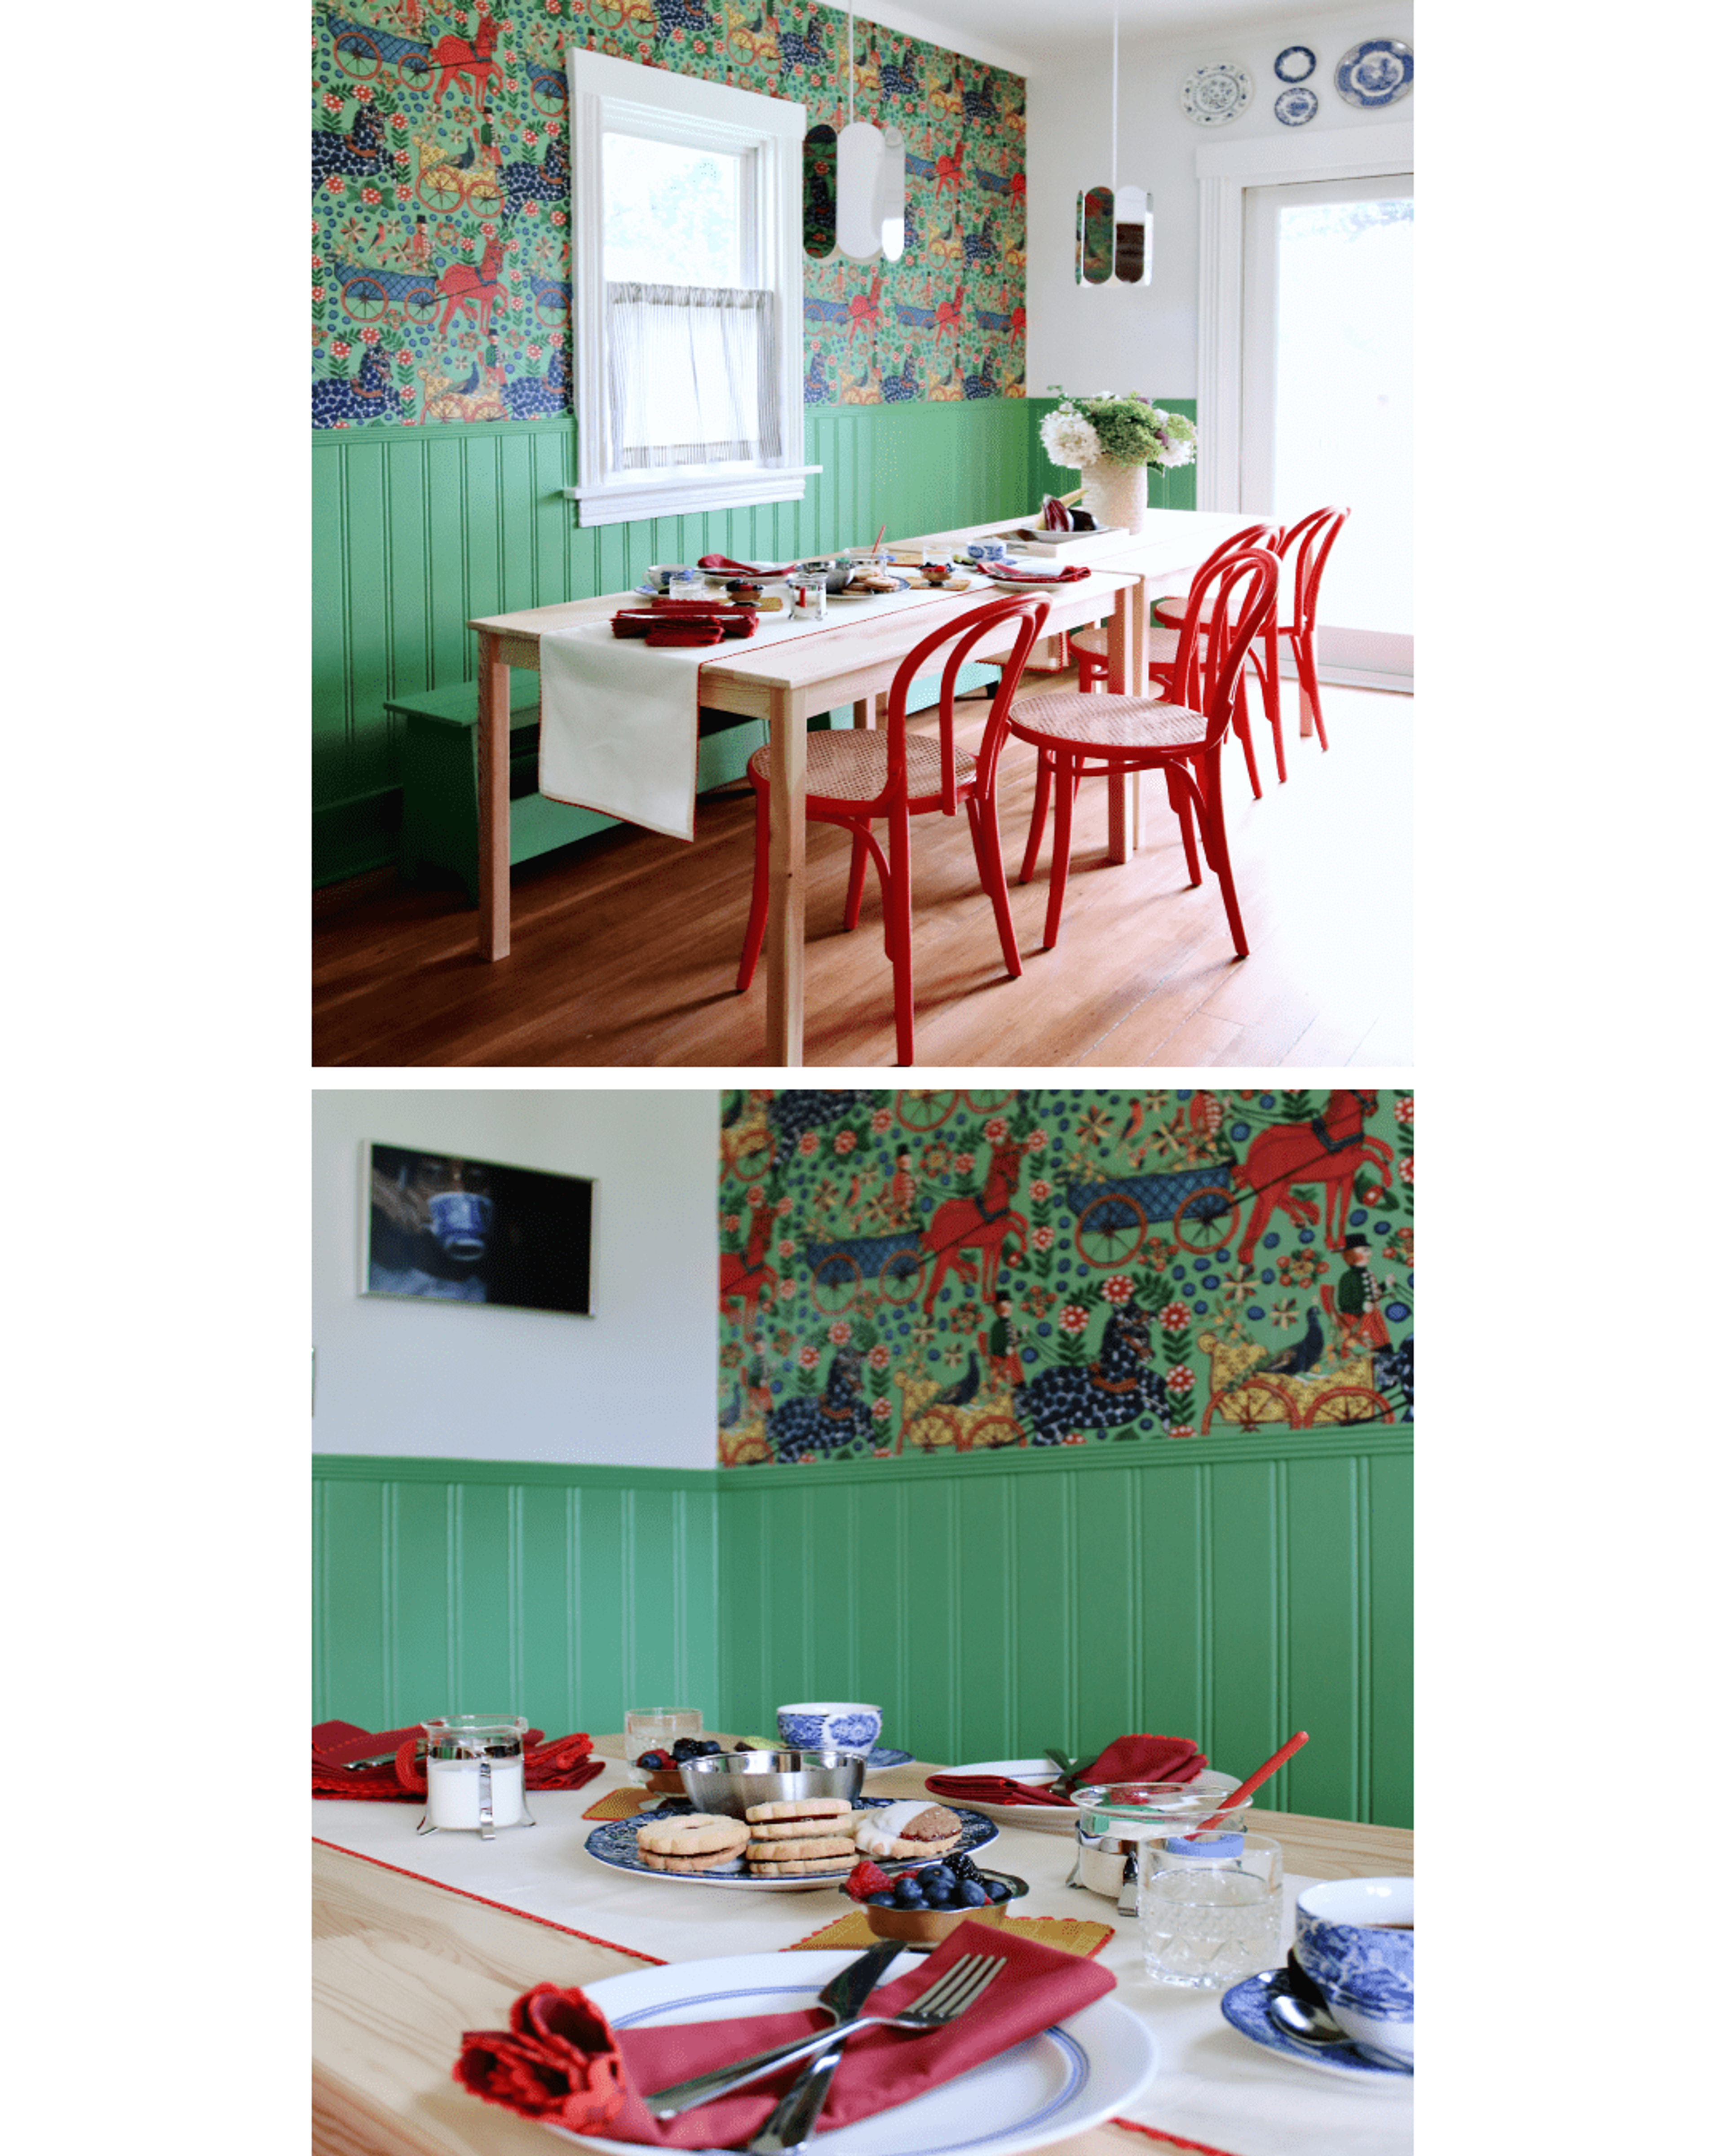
940,1897
685,1749
743,1748
881,1901
998,1890
972,1893
652,1761
908,1897
938,1875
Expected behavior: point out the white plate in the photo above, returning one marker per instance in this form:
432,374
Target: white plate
1053,1819
611,1843
1211,96
1073,2077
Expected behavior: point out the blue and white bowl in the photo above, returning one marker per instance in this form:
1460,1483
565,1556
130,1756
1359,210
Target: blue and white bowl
1364,1969
815,1725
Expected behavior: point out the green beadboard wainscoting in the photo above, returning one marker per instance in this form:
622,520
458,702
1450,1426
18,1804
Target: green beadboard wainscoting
1231,1588
418,529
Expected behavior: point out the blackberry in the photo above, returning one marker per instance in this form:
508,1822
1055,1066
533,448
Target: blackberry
960,1868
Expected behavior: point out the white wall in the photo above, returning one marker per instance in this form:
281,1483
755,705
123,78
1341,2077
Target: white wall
1121,339
636,1384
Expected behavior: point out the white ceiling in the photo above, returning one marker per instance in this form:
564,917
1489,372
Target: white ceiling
1025,35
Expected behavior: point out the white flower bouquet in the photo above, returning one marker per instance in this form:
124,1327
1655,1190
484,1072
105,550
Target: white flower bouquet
1121,430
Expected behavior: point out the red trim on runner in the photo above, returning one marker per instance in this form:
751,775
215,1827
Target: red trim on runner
1173,2140
550,1923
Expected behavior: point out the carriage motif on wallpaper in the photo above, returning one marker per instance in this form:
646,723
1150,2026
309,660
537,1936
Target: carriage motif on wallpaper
440,136
922,1271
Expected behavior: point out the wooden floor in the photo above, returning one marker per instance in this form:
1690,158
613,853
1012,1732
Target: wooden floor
625,946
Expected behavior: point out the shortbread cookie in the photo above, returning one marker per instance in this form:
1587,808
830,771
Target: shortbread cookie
814,1863
691,1833
782,1851
721,1859
909,1829
785,1829
799,1807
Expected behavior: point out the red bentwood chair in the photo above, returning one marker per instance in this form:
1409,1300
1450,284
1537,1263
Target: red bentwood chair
1080,731
860,773
1090,649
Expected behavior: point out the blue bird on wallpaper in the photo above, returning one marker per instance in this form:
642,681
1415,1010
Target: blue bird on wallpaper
1295,1361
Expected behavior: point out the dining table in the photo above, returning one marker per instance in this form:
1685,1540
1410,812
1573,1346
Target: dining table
847,659
419,1939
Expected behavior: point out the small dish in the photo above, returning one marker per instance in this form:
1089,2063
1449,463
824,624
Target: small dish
1212,95
929,1926
884,1756
1295,107
1376,72
1245,2008
1294,63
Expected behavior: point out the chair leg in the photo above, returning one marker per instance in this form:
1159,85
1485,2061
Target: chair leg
756,933
1243,728
1270,679
1065,788
1038,817
1215,844
1181,803
859,868
898,902
985,839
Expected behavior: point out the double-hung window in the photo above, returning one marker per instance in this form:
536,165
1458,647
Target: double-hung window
685,214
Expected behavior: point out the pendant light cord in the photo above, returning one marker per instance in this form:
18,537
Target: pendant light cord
1114,174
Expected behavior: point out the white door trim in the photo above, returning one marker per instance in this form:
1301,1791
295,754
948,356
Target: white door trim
1225,170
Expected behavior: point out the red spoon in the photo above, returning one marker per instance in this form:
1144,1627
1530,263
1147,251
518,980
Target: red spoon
1273,1764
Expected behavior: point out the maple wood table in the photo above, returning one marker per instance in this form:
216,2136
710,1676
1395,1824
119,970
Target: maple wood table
843,663
417,1940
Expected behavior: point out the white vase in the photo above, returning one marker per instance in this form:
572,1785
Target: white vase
1117,494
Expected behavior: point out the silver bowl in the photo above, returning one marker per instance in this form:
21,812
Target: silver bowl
729,1781
838,573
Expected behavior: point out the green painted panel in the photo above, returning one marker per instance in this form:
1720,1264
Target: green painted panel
1246,1617
932,1543
422,1603
602,1636
1172,1572
486,1674
983,1586
1324,1691
1044,1558
351,1667
1390,1630
544,1616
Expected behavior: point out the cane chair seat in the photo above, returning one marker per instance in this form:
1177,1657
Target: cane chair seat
1073,718
851,766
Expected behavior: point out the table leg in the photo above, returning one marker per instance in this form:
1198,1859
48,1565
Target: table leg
493,751
788,744
1123,673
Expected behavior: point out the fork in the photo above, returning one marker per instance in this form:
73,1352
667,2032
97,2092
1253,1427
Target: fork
963,1983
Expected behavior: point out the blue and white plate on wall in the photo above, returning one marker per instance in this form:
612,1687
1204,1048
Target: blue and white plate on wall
1213,94
1294,63
1246,2007
1073,2077
611,1843
1295,107
1375,72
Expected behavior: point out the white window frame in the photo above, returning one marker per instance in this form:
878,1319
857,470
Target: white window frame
768,132
1226,171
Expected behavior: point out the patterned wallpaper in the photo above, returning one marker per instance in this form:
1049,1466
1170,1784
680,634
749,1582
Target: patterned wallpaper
903,1271
439,226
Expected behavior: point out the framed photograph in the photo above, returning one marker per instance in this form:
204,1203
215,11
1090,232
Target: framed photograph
439,1227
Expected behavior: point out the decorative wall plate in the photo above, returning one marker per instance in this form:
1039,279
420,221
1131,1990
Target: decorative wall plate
1212,94
1295,107
1294,63
1377,71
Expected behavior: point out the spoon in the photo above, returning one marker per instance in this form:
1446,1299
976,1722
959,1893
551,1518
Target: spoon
1313,2026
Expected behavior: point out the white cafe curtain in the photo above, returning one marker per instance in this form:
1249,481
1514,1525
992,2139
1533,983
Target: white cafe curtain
693,374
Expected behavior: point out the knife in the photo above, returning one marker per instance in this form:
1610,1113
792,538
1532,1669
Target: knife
844,1998
793,2116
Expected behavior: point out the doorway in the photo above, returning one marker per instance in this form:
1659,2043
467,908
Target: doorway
1326,412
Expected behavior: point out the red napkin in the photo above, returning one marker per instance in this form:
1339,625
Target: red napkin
1039,1986
1127,1759
566,1763
1070,574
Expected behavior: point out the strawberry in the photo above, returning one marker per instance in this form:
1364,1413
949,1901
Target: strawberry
867,1879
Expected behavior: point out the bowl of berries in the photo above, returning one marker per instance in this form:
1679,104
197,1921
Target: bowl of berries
925,1904
661,1766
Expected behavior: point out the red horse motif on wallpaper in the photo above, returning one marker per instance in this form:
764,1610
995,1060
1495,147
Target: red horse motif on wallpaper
454,56
470,290
982,1224
1331,1149
743,1274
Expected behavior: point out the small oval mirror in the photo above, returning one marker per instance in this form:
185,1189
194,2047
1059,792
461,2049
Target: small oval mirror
820,147
1095,235
862,157
1132,237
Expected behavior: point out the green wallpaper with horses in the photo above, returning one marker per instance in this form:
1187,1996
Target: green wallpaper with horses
440,226
909,1271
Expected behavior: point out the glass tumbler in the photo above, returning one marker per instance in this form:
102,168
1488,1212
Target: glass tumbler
1209,1908
475,1774
657,1728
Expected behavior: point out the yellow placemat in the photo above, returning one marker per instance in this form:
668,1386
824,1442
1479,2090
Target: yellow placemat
1072,1935
619,1803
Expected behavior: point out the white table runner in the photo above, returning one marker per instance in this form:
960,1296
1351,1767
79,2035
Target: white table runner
1212,2085
619,723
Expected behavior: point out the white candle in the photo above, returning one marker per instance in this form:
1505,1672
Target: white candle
452,1792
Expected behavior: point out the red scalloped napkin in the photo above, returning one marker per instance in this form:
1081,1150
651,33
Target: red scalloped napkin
1142,1758
566,1763
532,2073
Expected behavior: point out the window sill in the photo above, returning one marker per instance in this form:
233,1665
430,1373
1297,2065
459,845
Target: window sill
686,493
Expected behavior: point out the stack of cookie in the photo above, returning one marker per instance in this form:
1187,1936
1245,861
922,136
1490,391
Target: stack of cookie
692,1841
911,1828
800,1835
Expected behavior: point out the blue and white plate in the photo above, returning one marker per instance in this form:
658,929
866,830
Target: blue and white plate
1212,95
1246,2008
1295,107
884,1756
611,1843
1294,63
1375,72
1075,2076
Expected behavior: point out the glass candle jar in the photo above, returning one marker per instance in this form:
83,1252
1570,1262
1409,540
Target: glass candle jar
475,1774
1209,1908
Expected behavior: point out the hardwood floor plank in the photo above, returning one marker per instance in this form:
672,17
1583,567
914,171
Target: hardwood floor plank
625,945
